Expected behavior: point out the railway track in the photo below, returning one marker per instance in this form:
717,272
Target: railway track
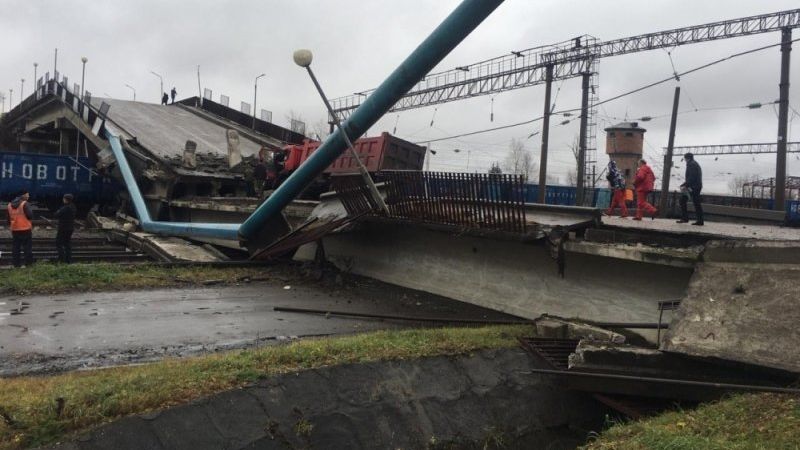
84,249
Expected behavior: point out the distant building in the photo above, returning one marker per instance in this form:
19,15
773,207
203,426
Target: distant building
624,144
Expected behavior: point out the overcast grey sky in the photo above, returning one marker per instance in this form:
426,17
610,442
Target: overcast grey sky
357,43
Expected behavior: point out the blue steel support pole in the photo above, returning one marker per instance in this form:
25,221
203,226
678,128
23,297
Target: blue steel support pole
185,229
457,26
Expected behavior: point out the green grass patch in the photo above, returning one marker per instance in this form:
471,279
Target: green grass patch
32,414
742,422
46,278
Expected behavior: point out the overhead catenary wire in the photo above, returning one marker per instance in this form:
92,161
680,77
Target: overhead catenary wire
616,97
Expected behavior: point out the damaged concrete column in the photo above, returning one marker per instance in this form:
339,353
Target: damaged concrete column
234,154
189,157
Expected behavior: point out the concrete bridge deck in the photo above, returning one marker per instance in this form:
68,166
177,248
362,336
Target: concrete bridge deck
164,129
712,230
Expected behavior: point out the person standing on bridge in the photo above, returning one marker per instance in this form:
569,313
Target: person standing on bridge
260,174
164,99
691,188
643,182
173,93
66,225
617,184
20,217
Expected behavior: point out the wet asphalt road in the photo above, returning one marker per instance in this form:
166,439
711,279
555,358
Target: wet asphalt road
64,332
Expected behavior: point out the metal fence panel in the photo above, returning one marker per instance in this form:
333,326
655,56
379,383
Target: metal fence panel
298,126
472,200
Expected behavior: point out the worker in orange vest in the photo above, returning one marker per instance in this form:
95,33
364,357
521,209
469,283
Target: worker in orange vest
643,182
19,219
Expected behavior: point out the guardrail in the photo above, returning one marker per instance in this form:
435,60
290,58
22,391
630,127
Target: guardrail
472,200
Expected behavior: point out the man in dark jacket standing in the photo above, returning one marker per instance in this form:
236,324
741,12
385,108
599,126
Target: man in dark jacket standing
20,217
691,188
66,225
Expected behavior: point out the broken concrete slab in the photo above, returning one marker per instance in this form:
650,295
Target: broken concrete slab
747,251
668,256
170,248
553,327
740,312
520,279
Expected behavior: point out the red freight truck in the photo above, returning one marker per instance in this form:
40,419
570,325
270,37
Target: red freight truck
384,152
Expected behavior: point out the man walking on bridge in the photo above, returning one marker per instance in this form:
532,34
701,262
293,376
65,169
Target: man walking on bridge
643,182
691,188
20,216
173,93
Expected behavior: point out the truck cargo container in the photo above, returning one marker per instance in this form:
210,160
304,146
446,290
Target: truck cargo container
384,152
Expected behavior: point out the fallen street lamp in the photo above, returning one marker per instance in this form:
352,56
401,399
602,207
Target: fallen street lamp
303,59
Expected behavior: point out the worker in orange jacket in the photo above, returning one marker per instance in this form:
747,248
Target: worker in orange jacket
20,217
643,183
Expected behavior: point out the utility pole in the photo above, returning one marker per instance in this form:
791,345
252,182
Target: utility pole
199,91
667,172
55,67
162,85
83,77
545,134
35,85
255,98
783,121
579,191
21,89
132,89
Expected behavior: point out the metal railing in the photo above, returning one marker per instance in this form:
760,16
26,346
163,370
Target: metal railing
480,201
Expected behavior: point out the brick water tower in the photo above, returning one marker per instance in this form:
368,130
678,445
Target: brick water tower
624,142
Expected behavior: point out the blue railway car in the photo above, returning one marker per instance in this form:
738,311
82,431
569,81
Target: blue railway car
49,177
